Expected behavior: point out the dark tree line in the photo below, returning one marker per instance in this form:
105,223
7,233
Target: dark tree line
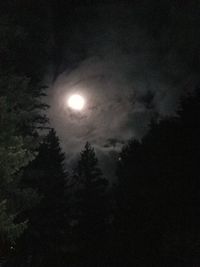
150,217
158,193
66,225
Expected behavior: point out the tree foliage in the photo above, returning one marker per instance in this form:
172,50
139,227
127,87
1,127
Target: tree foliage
158,192
91,212
46,238
20,116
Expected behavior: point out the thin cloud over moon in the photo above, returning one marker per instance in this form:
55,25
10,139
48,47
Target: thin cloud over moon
127,73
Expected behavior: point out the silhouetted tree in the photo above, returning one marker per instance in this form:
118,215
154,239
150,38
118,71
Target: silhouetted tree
46,238
91,209
158,199
20,115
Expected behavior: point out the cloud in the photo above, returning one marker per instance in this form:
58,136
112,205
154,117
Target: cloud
131,70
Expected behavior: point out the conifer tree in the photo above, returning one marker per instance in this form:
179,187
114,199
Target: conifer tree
91,208
20,116
158,200
45,240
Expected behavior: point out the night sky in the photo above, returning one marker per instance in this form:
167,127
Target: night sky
130,60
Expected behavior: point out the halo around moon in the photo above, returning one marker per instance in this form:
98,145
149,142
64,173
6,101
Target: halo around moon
76,102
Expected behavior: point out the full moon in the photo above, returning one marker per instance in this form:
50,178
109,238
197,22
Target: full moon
76,102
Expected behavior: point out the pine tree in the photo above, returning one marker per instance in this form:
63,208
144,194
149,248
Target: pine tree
44,241
158,200
20,116
91,208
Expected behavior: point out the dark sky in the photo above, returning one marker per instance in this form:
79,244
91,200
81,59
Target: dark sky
131,60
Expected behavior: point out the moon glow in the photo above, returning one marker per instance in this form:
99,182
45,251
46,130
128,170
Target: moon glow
76,102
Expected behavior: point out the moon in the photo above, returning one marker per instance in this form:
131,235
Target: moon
76,102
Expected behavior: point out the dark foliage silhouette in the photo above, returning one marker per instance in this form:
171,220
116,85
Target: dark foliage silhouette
158,192
91,209
45,240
